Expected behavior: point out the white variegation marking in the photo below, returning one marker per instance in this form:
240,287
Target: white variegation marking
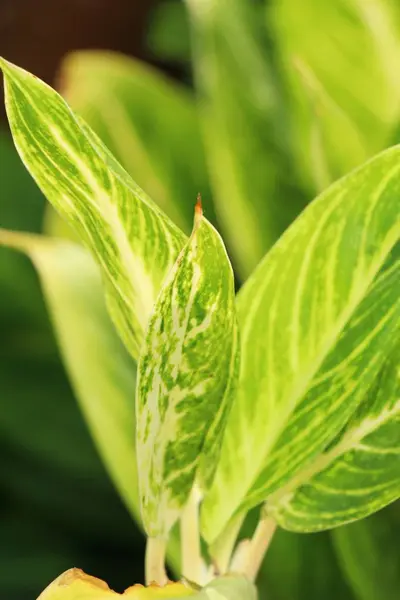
356,476
187,373
132,240
318,318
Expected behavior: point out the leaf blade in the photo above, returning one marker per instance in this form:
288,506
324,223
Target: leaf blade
327,259
344,379
359,474
134,243
187,374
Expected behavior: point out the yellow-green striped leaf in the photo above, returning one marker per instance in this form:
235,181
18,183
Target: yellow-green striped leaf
148,121
187,375
349,51
241,108
342,382
134,243
359,473
316,318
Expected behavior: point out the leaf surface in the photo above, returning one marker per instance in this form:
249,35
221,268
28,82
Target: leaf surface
345,378
313,315
359,473
187,374
134,243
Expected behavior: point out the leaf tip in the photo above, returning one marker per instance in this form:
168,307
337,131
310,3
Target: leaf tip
6,66
198,209
3,64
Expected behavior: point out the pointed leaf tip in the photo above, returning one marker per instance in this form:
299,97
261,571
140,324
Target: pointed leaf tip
198,209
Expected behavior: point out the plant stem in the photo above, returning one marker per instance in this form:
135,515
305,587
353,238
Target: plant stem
192,563
222,549
155,561
258,546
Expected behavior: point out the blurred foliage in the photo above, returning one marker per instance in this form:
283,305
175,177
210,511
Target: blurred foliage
312,88
168,35
338,59
148,122
368,552
58,507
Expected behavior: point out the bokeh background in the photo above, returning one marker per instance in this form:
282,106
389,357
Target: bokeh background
58,507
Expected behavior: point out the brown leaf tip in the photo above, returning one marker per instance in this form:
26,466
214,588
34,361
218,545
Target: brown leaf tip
199,206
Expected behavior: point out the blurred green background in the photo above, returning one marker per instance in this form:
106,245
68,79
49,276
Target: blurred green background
274,135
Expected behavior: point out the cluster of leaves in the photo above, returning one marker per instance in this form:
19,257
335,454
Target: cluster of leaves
312,429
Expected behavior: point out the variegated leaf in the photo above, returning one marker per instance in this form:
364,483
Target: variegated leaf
359,473
313,308
132,240
342,382
187,374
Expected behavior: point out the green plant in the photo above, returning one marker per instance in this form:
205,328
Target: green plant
304,418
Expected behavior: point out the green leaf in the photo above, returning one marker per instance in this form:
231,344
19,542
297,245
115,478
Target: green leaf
132,240
359,473
350,50
369,554
149,123
316,323
101,372
344,379
187,374
244,136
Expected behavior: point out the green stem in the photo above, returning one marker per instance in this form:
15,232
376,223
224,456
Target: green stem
222,549
192,563
257,547
155,561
